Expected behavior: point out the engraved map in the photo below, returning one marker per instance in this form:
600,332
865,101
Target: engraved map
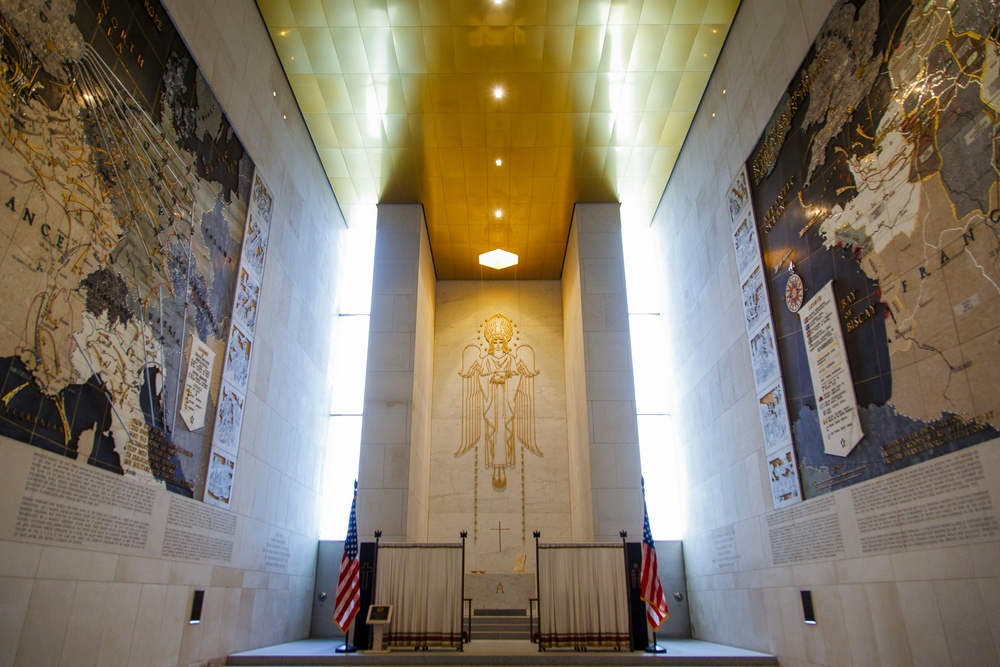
880,171
123,190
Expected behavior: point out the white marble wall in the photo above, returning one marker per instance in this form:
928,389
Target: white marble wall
64,605
577,423
423,377
395,430
612,451
460,498
931,606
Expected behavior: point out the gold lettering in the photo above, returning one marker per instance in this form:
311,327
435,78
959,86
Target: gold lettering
153,14
778,207
865,315
848,300
935,435
765,159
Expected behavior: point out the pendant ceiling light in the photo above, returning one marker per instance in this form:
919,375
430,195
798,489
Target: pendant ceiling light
498,259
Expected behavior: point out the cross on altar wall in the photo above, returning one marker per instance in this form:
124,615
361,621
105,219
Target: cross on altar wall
499,530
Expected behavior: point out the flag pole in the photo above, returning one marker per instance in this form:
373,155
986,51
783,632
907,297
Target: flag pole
461,640
347,646
628,586
654,647
651,590
348,586
538,589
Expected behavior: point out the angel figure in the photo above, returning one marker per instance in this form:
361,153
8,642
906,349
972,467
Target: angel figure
498,391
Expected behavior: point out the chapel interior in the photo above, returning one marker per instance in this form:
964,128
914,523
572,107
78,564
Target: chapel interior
499,404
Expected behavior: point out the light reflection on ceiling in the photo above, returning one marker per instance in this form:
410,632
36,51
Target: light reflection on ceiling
498,117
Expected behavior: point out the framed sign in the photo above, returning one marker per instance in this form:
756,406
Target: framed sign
379,614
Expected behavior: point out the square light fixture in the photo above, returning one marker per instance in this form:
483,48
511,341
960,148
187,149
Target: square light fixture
498,259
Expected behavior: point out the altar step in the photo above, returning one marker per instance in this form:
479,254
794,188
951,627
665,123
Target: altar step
503,624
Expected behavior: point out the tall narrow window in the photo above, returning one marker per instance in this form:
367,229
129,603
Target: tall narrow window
349,358
652,366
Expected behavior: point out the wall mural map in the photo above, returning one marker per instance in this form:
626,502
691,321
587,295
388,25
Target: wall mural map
879,171
123,190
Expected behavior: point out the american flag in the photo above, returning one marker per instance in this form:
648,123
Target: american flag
651,590
349,585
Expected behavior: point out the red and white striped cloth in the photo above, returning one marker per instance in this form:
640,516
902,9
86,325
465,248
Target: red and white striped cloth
349,584
651,591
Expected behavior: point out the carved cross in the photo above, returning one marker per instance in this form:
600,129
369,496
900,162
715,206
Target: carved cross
365,572
499,530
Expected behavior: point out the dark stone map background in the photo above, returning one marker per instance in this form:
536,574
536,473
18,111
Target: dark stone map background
140,44
819,260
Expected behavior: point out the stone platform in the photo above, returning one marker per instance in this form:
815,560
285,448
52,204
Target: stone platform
486,653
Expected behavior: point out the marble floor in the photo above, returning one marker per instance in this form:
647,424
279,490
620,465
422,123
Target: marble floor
488,653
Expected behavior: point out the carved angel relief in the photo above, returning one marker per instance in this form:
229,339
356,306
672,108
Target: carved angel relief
498,397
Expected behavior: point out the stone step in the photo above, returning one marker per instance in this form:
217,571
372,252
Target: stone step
498,620
501,636
500,612
484,633
479,631
500,624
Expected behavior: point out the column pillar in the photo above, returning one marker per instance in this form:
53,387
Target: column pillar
603,434
393,482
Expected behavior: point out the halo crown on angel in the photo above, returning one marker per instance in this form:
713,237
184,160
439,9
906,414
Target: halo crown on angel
498,398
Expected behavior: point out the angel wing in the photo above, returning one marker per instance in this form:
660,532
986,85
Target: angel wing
472,399
524,400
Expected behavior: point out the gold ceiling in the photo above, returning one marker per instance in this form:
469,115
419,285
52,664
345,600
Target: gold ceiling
401,99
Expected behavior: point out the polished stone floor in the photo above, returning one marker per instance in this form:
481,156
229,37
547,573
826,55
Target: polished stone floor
488,653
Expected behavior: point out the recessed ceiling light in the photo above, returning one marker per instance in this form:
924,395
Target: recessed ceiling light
499,162
274,93
498,213
498,92
284,116
713,114
723,91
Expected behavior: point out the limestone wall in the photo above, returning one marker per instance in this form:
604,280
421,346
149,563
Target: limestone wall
746,563
126,598
536,491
